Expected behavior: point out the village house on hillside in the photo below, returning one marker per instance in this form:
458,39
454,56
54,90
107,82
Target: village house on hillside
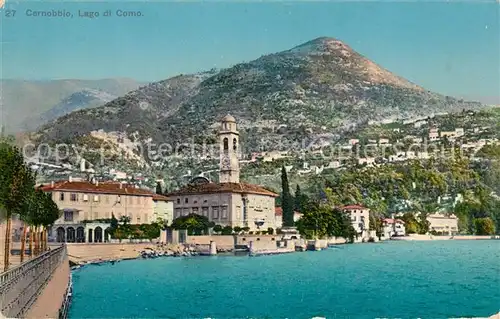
85,205
229,202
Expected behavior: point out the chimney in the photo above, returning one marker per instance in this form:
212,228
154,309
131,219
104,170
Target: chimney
70,179
52,184
121,185
96,183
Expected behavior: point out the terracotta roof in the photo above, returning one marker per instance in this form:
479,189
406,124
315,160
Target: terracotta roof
350,207
161,198
208,188
101,188
391,221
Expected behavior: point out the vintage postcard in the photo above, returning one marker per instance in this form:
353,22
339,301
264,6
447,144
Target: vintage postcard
250,159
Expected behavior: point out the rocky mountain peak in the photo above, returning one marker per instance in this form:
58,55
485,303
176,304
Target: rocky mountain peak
322,45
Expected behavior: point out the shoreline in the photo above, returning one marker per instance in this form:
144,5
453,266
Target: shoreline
418,237
102,262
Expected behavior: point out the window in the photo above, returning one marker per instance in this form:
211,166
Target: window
178,200
177,212
215,212
224,211
96,198
204,211
226,144
73,197
186,200
85,197
61,196
185,212
235,144
118,199
68,216
195,210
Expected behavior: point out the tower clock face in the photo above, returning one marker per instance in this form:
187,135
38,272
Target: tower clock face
226,162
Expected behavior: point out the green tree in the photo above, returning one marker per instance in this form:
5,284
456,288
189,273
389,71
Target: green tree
114,224
195,224
16,181
51,214
411,223
217,229
484,226
227,230
286,200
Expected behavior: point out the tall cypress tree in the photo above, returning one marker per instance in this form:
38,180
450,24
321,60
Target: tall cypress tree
286,200
159,191
298,199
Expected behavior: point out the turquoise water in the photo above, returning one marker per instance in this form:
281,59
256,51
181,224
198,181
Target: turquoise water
393,279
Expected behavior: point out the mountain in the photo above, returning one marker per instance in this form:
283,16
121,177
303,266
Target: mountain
320,87
24,102
85,99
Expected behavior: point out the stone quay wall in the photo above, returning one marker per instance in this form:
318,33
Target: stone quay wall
85,252
21,286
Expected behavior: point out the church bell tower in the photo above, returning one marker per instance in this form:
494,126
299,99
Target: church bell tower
229,149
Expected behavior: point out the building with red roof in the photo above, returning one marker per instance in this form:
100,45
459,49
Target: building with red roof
86,206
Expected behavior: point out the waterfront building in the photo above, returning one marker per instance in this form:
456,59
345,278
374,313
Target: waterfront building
87,208
163,208
228,202
360,219
443,224
393,227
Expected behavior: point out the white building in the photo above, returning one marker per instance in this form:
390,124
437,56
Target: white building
360,218
393,227
443,224
163,208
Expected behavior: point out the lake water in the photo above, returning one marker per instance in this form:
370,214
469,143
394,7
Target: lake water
434,279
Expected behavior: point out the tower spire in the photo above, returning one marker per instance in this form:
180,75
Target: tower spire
229,148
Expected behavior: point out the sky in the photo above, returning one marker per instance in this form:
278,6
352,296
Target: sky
449,47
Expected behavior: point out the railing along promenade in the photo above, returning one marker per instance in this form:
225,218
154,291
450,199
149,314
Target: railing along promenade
21,285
